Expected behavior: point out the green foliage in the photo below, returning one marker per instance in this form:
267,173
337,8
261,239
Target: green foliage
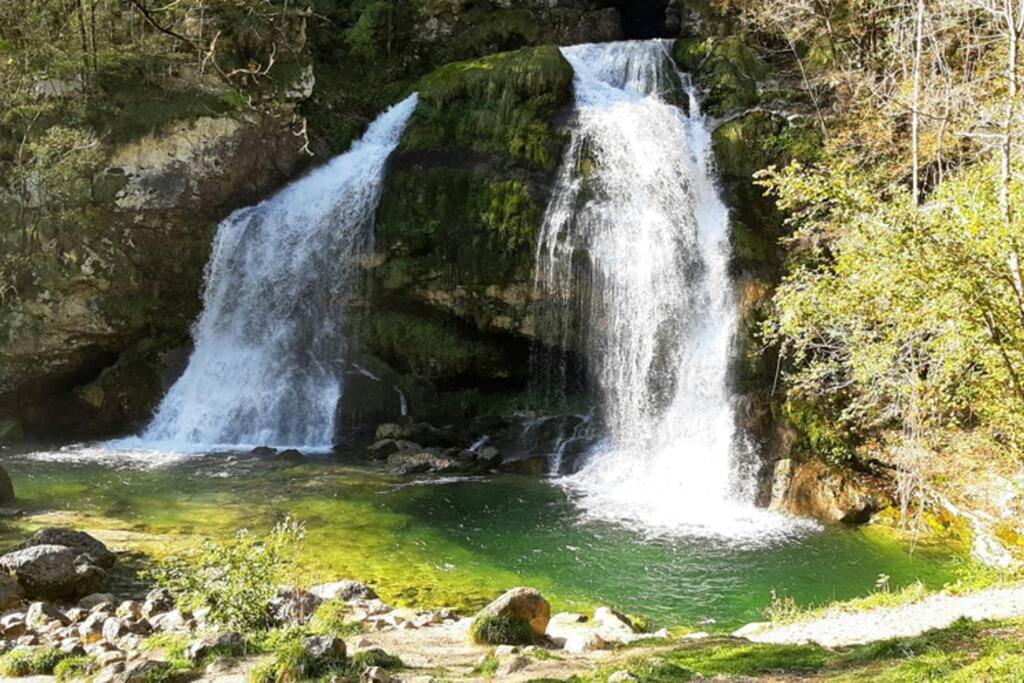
375,657
35,662
487,667
329,618
74,668
500,630
236,579
899,316
728,66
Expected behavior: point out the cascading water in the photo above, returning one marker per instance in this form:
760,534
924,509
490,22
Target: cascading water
269,351
633,262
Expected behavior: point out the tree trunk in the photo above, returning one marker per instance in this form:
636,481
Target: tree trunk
915,122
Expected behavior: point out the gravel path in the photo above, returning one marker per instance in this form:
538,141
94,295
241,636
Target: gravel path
838,628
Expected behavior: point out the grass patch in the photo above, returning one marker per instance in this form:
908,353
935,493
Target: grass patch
490,630
17,663
74,668
329,619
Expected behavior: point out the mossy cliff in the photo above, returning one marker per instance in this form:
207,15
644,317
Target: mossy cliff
464,198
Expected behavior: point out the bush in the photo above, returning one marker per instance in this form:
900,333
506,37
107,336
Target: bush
290,662
376,657
18,663
490,630
236,579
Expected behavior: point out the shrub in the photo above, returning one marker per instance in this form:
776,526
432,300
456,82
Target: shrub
329,618
376,657
491,630
237,578
74,668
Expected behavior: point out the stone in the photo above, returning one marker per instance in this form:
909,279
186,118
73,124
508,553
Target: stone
109,673
750,629
431,460
319,647
175,620
375,674
13,626
41,613
140,627
489,456
113,629
89,577
505,650
78,541
109,657
158,601
389,430
129,609
825,492
584,642
146,670
76,614
613,626
91,629
346,590
228,643
220,665
622,677
291,455
72,647
6,487
293,606
696,635
362,642
513,665
11,592
43,571
521,603
94,599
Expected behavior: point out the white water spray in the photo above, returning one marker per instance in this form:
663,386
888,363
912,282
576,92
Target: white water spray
633,257
269,351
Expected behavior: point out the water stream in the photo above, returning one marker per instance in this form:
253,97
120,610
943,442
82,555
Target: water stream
267,368
634,256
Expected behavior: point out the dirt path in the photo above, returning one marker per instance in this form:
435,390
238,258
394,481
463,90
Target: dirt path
836,628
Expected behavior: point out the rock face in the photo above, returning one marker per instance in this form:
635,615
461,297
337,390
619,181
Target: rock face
521,603
830,494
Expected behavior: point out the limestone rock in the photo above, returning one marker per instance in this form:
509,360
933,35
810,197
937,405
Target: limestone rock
522,603
820,491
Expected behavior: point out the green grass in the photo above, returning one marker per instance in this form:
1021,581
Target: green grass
74,668
488,630
39,662
487,667
329,619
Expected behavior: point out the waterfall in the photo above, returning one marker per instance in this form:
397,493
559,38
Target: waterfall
632,261
269,353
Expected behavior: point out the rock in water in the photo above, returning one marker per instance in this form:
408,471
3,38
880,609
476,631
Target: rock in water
521,603
78,541
344,590
817,490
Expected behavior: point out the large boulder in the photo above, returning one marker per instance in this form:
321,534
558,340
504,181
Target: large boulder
53,572
522,603
825,492
78,541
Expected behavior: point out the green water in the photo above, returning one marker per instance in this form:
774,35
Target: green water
457,543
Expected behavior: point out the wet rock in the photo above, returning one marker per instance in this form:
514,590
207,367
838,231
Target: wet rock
291,455
78,541
346,590
521,603
828,493
263,452
433,461
321,647
488,456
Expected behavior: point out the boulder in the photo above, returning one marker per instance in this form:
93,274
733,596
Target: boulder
146,670
513,665
375,674
93,599
91,630
321,647
43,571
158,601
521,603
825,492
433,461
293,606
344,590
113,629
229,643
41,613
78,541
